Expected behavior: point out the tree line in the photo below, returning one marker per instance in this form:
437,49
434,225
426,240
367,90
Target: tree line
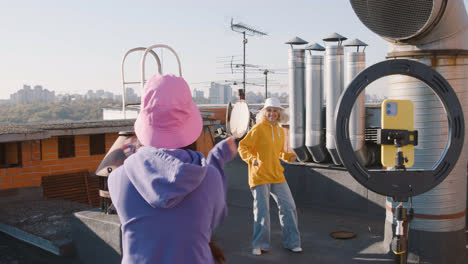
60,111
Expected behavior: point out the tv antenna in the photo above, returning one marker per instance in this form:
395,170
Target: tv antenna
245,30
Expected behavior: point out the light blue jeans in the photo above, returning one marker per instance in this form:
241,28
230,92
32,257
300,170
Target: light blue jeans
287,215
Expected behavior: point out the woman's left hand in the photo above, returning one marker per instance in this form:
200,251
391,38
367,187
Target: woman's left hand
292,159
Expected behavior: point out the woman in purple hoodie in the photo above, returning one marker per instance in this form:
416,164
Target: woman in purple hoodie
170,198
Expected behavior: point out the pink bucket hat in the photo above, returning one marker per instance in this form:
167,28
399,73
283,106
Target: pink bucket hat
168,117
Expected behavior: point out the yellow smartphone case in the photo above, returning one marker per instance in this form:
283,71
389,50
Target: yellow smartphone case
397,114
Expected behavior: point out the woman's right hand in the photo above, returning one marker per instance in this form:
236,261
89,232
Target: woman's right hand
255,163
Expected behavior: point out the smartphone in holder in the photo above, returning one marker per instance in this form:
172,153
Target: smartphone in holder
397,114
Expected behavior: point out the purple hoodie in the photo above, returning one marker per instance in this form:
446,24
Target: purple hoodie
168,202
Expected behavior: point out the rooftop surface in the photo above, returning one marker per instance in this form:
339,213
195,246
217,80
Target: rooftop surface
233,236
46,222
35,128
23,132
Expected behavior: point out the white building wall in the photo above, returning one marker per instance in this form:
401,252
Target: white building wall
114,114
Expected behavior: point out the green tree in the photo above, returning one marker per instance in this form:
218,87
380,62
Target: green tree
65,110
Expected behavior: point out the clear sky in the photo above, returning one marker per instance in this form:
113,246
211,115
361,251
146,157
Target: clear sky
74,46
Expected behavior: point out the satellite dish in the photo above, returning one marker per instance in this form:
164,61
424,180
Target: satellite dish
228,118
240,119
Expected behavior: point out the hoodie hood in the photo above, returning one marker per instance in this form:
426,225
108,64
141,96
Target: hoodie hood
163,177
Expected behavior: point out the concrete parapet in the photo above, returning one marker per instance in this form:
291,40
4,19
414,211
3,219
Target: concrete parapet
97,237
311,186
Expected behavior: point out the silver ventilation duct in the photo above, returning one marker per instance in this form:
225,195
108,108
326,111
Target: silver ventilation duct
355,63
434,33
296,99
424,24
314,128
333,85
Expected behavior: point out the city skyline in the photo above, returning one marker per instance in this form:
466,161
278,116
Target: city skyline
218,94
71,47
28,95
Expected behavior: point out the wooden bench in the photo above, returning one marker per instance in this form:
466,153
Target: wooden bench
78,187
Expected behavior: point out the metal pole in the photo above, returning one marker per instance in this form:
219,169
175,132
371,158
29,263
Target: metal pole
162,58
266,83
124,100
243,64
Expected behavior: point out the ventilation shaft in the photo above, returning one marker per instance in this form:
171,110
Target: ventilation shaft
314,132
333,85
296,99
355,63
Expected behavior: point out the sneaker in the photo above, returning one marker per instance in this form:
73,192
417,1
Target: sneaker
256,251
296,249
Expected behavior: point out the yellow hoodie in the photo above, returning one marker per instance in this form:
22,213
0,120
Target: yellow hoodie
264,143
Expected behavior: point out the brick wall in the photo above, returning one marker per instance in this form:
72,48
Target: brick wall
34,168
205,141
219,114
40,158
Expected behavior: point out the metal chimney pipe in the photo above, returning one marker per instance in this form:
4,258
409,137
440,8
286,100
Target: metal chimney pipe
435,33
333,83
296,100
355,63
315,124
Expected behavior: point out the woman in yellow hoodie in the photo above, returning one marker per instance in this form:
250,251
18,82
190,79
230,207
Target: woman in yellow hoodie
261,149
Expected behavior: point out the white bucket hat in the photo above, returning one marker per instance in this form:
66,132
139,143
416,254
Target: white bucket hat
272,102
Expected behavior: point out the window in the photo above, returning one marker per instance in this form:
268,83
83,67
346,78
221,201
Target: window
66,147
97,144
10,154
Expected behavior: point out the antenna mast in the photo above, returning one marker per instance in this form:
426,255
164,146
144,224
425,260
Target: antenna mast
245,30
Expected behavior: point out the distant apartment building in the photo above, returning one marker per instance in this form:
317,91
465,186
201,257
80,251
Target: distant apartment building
35,95
220,93
131,96
69,97
255,98
99,94
198,93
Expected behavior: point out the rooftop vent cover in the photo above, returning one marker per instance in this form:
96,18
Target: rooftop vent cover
395,19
